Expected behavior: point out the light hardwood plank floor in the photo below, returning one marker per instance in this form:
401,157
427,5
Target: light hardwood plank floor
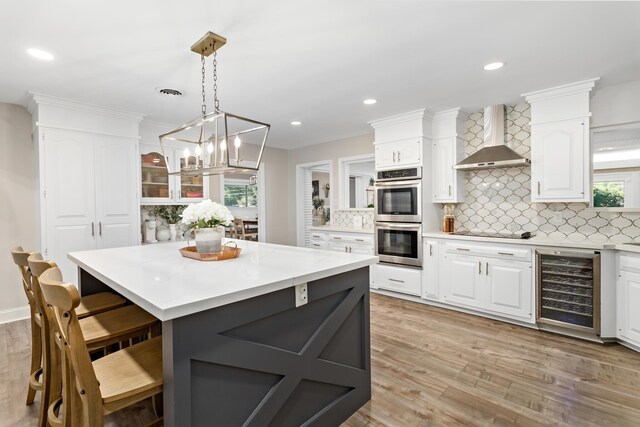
432,367
435,367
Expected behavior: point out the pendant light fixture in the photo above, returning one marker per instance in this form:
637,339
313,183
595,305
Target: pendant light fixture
218,142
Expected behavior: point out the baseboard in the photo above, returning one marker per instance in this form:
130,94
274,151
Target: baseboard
14,314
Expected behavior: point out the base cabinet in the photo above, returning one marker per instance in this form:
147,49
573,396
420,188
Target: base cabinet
430,288
496,286
628,307
399,279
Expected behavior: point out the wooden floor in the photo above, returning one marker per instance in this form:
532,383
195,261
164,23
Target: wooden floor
434,367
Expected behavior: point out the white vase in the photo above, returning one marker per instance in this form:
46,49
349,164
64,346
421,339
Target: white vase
209,240
163,234
172,232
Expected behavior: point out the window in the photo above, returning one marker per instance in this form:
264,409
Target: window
239,194
608,194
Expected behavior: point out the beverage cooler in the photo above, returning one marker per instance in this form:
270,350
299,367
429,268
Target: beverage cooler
568,290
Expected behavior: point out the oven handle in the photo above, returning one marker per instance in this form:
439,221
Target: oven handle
406,183
395,225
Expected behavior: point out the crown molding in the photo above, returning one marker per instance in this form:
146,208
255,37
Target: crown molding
422,114
38,99
560,91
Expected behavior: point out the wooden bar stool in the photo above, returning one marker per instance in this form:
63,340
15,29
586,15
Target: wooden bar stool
20,258
108,384
100,330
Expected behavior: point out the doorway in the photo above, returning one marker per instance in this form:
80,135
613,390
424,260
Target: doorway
313,198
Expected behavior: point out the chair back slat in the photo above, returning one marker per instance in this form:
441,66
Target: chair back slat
64,298
37,266
20,258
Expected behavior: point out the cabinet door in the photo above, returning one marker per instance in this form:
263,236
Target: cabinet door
117,211
69,197
430,269
558,156
442,170
386,155
409,153
630,302
508,288
461,279
190,189
155,180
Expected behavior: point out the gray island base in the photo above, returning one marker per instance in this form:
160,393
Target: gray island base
263,361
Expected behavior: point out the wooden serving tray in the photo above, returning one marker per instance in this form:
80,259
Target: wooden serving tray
228,252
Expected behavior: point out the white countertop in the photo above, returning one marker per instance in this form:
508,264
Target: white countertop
540,241
341,228
167,285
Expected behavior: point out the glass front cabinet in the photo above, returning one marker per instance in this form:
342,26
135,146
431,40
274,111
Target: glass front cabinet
160,188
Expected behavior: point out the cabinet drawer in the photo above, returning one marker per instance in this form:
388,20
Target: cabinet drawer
630,263
404,280
504,252
351,238
319,236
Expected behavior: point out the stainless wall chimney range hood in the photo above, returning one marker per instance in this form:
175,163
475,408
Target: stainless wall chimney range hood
494,154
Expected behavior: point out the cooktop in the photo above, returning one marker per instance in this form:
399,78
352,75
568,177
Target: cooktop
525,235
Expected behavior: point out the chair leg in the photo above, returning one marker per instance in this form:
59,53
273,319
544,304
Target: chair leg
157,404
48,378
36,356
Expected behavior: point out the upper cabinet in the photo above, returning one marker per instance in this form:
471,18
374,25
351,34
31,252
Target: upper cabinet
157,186
447,150
400,140
560,148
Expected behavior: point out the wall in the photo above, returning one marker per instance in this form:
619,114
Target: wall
507,207
327,151
19,195
616,104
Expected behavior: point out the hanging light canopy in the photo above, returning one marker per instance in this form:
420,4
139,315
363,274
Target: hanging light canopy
216,141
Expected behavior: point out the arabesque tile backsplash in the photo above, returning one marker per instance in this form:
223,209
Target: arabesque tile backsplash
344,217
499,200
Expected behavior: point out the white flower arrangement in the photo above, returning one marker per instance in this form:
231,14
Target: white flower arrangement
206,214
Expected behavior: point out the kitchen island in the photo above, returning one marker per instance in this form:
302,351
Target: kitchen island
278,336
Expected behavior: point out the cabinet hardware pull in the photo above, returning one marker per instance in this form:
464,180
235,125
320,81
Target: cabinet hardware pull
345,249
430,249
171,194
398,155
315,244
349,249
462,249
538,188
337,238
93,230
449,190
394,157
396,280
479,267
504,253
486,269
359,240
100,228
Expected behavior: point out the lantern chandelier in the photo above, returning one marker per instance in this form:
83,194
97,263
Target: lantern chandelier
216,141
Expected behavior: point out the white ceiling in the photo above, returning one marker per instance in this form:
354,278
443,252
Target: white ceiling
313,61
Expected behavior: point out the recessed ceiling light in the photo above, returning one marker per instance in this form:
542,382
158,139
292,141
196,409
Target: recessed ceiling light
369,101
40,54
494,66
296,123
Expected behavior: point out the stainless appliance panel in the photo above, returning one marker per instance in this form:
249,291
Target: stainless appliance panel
399,243
399,201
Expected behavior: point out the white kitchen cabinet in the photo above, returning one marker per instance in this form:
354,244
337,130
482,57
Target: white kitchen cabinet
560,161
399,279
628,307
489,278
430,286
89,194
508,287
461,279
560,149
404,153
158,188
447,149
346,242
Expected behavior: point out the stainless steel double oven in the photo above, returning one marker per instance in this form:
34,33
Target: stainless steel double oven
398,216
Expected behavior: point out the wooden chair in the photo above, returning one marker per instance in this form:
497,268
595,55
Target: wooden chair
100,330
20,258
108,384
244,233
